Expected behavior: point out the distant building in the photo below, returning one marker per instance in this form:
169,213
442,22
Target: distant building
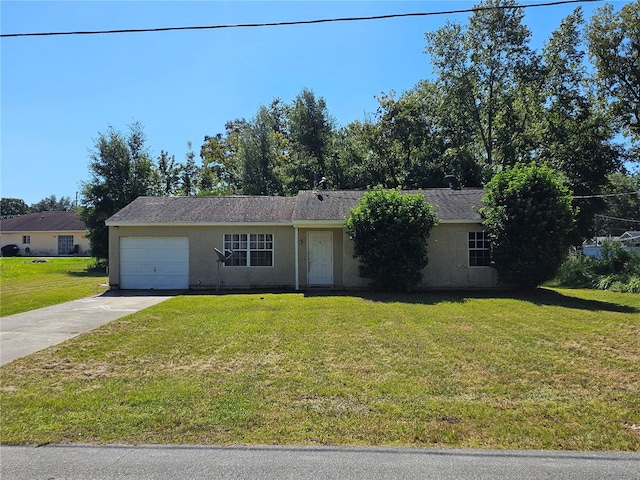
51,234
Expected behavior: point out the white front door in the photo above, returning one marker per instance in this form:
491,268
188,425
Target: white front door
320,258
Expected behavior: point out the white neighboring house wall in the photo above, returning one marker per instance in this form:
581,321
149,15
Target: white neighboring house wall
47,244
54,233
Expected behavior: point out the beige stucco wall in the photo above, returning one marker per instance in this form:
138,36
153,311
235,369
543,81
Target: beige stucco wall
45,243
449,262
447,268
203,266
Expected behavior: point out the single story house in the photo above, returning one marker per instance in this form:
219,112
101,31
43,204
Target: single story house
280,242
48,234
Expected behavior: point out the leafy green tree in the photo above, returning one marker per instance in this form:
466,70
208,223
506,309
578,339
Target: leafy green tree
614,43
189,173
349,157
262,153
52,204
310,130
622,210
365,156
222,166
528,215
488,74
390,231
212,173
168,173
11,207
578,138
407,142
121,170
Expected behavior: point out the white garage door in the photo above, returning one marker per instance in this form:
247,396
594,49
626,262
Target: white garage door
154,262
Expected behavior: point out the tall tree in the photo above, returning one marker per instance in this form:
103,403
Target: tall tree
622,210
189,173
487,71
51,204
221,162
349,157
262,152
212,172
578,138
169,174
121,170
11,207
614,43
310,134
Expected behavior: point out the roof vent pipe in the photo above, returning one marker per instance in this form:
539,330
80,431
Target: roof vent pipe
452,182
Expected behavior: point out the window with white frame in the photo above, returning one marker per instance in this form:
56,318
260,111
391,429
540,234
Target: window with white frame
26,239
249,249
479,249
65,244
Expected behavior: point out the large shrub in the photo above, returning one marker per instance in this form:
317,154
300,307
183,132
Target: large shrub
618,269
390,231
528,217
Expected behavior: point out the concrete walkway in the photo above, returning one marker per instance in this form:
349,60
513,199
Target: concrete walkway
28,332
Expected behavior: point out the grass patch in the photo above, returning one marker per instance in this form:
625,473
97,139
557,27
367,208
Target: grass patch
558,369
28,284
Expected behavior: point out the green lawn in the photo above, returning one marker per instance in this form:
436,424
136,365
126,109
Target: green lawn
28,283
559,369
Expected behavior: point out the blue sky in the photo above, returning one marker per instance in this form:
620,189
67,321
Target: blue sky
59,93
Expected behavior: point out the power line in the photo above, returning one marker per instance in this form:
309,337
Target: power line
297,22
619,219
603,195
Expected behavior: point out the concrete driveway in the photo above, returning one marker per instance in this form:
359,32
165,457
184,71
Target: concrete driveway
28,332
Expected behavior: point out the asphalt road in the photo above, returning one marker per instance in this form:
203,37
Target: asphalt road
84,462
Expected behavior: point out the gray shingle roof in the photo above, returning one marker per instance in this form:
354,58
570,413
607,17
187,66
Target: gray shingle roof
44,222
327,206
335,205
223,209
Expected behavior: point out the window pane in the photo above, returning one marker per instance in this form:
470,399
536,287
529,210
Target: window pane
255,249
238,259
261,259
479,250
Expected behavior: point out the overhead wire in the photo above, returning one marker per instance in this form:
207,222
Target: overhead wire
603,195
295,22
617,218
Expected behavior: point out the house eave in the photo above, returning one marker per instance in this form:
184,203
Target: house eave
296,223
197,224
319,223
460,220
42,231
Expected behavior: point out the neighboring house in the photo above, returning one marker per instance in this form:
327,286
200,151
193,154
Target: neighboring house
592,247
272,242
49,234
631,239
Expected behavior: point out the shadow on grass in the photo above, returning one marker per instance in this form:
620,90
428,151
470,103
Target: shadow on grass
90,272
539,296
544,296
